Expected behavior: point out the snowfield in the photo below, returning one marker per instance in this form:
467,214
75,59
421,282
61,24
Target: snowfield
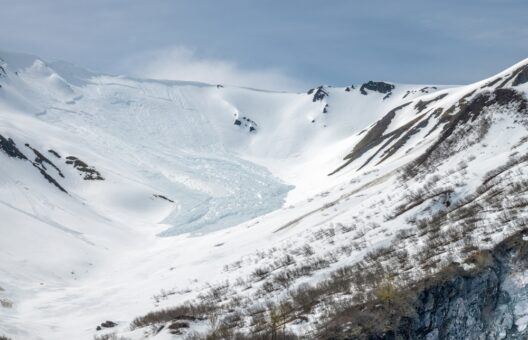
121,196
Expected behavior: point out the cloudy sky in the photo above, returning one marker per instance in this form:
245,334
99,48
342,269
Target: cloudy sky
280,44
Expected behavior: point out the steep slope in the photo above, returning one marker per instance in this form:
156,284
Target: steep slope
95,167
121,196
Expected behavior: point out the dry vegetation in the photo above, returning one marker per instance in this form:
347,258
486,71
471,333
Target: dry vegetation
372,295
443,234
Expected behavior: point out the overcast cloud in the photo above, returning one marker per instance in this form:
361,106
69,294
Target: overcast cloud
182,63
274,43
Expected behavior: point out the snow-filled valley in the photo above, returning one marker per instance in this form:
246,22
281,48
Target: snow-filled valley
120,197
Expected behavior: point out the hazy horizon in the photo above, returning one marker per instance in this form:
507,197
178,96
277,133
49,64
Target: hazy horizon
276,45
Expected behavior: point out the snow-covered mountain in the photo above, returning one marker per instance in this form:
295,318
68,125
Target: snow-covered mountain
220,209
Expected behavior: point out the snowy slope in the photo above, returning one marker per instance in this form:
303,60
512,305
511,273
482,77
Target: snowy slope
180,187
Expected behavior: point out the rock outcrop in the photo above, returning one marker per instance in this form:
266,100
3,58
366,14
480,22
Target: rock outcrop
377,86
319,93
489,304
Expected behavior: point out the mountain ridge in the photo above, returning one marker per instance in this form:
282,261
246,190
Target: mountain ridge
248,203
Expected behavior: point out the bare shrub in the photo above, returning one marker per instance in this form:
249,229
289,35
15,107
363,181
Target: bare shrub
6,303
109,336
386,293
480,259
307,250
261,273
189,312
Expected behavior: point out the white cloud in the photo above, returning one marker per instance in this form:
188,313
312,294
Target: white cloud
180,63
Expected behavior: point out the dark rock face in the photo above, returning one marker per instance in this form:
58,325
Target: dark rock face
507,96
89,172
106,324
421,105
246,122
519,77
41,161
491,83
176,327
377,86
522,76
455,309
9,147
44,164
457,117
374,137
485,302
52,180
163,198
472,110
319,93
428,89
109,324
54,153
481,306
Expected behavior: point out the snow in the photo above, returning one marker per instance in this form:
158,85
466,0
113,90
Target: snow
102,251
